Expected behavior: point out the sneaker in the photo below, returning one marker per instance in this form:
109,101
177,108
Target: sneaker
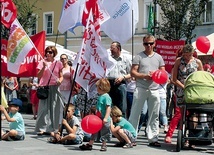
86,147
103,148
165,129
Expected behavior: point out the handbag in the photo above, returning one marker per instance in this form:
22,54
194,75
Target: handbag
42,92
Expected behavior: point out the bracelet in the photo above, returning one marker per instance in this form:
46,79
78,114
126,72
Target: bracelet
124,77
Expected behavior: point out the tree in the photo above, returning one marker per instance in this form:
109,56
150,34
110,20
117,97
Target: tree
180,17
25,16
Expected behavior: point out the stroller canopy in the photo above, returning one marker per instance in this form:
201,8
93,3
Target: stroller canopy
199,88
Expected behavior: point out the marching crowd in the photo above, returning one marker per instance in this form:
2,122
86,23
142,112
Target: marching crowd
126,99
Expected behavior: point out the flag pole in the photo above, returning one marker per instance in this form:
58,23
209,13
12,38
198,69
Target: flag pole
155,17
0,68
132,34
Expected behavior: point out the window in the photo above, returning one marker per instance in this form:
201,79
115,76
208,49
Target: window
206,17
33,29
48,23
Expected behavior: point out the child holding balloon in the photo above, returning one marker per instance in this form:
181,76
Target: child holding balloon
103,108
122,129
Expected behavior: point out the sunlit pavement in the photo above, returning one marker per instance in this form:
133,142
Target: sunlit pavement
38,145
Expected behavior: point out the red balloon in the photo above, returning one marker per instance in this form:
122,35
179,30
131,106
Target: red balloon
91,124
203,44
160,76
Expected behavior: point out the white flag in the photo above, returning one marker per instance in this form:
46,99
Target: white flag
95,62
71,14
19,45
119,26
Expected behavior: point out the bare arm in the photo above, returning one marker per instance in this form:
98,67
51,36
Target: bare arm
137,75
6,114
175,74
108,111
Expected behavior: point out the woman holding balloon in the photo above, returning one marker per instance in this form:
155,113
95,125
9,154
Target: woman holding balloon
184,65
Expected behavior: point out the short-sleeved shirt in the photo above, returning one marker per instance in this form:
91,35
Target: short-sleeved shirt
124,124
75,122
121,68
46,75
18,125
103,101
148,63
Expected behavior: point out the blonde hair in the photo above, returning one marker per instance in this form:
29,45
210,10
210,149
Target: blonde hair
188,48
70,106
103,84
115,111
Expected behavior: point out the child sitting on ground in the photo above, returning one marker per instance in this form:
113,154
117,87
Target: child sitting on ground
122,129
15,119
103,108
72,125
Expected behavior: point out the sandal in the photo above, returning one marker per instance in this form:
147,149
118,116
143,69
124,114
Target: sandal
103,148
168,140
155,144
86,147
120,144
127,146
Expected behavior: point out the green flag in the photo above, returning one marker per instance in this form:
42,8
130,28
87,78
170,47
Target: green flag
151,20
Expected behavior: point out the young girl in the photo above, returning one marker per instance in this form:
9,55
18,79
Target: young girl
103,111
74,133
122,129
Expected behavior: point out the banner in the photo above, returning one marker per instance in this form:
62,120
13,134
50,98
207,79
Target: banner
94,60
28,66
8,13
168,49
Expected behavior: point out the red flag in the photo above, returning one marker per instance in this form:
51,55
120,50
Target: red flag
29,65
9,13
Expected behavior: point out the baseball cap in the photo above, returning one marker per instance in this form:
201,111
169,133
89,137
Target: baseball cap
16,102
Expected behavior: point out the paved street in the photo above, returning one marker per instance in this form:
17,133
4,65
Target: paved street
35,145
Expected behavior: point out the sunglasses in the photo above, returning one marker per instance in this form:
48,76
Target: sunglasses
146,44
63,58
49,52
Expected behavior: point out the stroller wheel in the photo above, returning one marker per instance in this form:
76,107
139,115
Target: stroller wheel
179,145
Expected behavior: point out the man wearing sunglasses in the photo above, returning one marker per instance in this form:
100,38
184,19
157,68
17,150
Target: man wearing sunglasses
143,66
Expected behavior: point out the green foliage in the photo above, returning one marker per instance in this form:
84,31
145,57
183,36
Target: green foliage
25,16
180,17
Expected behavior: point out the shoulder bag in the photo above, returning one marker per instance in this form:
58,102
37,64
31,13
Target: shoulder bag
43,91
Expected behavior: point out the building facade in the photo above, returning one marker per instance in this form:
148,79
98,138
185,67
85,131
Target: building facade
49,16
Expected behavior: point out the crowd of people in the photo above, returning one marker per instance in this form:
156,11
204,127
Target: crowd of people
126,99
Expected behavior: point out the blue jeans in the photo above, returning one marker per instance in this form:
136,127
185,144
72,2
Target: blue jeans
163,117
129,98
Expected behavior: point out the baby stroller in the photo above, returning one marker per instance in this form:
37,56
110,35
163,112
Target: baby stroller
197,118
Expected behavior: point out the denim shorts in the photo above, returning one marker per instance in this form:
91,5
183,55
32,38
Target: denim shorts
19,136
77,140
